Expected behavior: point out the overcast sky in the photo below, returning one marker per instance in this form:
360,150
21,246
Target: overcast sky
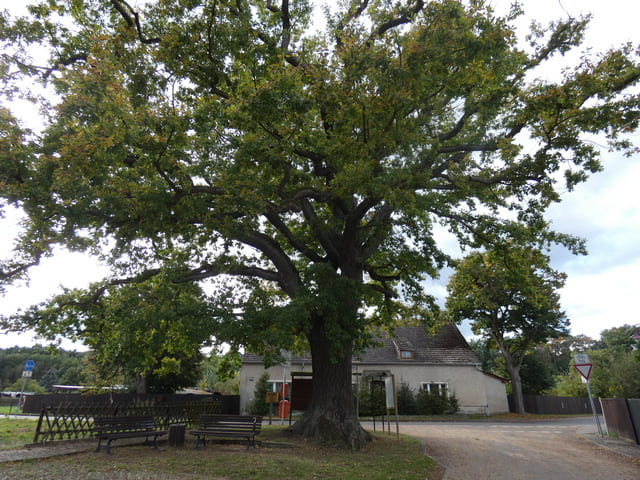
601,288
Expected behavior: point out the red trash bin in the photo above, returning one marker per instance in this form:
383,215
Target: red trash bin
283,409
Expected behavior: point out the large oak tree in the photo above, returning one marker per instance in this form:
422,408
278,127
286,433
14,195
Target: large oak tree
302,167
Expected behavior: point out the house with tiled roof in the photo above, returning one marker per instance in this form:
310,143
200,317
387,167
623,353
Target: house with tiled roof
441,363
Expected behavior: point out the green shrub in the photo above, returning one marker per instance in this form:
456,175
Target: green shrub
371,400
406,400
435,404
259,405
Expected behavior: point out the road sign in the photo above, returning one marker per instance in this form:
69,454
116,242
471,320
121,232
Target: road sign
581,359
29,364
27,373
584,369
583,365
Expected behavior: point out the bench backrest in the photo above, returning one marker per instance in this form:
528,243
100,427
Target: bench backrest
124,424
232,423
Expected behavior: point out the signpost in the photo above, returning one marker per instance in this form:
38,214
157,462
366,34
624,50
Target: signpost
391,401
272,397
283,406
26,373
583,365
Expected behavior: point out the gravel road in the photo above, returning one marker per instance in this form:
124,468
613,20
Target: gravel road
517,451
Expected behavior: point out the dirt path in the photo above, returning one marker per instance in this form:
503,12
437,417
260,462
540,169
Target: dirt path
519,451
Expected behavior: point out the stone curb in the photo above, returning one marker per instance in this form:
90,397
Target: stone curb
613,444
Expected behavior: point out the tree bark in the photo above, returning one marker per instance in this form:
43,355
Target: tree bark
140,384
331,418
516,385
513,368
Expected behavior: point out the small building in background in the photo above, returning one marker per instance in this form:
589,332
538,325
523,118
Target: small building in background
443,363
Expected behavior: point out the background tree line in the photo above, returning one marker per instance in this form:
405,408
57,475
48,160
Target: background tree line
52,367
547,368
216,372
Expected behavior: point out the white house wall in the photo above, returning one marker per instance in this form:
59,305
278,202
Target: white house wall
476,391
496,395
249,375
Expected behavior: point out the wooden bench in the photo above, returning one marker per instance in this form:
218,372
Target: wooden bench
114,428
227,426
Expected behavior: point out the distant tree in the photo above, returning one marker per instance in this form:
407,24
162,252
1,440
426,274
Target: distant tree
510,295
221,373
617,339
209,372
75,373
536,376
229,373
46,359
488,355
616,364
150,333
536,372
557,353
173,371
31,385
230,386
229,365
49,379
569,384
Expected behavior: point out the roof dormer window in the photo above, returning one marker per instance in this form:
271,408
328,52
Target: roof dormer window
406,354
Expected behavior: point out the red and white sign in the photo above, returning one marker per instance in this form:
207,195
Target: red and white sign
584,369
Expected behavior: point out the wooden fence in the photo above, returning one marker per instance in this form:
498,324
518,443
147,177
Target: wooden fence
622,417
74,421
552,405
34,403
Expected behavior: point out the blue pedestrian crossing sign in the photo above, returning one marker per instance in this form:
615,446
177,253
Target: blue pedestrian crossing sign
29,364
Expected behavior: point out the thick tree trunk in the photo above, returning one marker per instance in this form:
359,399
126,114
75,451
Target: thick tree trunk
141,384
516,387
513,369
331,418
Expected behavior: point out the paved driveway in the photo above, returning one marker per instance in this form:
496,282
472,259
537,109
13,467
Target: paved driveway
514,451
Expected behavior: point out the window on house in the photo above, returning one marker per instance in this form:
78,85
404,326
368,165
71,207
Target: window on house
406,355
436,388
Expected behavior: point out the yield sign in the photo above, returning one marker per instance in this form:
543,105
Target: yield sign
584,369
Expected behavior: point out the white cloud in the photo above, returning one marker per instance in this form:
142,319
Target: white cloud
602,300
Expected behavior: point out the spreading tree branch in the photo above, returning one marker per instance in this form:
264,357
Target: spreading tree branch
133,20
405,16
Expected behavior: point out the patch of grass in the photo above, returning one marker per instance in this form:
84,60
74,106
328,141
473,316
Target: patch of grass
386,458
7,409
16,432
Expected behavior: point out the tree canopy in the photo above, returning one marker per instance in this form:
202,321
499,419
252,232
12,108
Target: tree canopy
299,170
511,297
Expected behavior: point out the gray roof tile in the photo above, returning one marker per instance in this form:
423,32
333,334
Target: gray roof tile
447,347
